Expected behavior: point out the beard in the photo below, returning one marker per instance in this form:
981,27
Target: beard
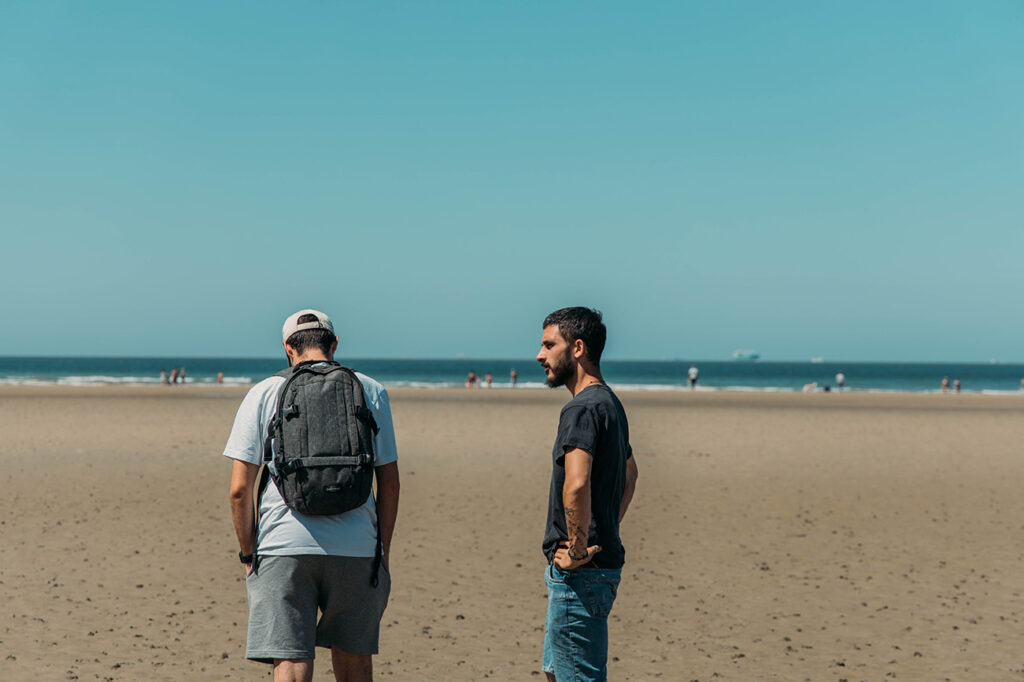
560,373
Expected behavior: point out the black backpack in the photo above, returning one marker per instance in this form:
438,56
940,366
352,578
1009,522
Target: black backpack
321,442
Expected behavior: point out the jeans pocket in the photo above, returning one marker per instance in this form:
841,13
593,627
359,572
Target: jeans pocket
600,595
553,574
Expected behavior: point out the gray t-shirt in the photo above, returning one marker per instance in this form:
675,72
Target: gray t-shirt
284,532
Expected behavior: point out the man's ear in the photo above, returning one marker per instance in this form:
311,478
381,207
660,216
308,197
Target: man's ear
334,346
579,349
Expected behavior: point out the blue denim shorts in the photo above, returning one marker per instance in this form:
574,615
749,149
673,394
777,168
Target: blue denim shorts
576,632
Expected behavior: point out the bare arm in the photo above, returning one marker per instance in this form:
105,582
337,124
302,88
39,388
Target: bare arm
243,480
627,494
576,502
388,487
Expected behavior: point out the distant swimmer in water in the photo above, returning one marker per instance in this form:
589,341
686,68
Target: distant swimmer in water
956,385
514,375
945,384
220,377
692,375
840,381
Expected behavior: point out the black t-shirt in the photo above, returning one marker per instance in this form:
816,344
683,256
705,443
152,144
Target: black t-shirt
593,421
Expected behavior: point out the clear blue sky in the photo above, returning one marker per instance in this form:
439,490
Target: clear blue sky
803,179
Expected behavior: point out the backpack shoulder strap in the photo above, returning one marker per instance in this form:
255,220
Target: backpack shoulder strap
288,374
362,412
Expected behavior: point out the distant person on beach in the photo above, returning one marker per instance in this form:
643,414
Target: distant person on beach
945,384
840,381
220,377
593,478
163,377
298,564
174,375
182,375
692,375
514,376
471,379
489,379
956,385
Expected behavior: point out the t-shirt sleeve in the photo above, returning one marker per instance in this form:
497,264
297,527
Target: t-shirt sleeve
384,447
246,442
577,428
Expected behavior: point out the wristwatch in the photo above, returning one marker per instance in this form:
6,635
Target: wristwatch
246,558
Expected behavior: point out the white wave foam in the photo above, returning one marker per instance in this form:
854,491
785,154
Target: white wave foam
420,384
104,380
757,389
101,380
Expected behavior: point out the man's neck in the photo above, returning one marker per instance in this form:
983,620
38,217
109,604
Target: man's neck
585,376
310,357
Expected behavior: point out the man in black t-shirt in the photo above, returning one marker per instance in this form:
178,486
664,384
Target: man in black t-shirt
592,482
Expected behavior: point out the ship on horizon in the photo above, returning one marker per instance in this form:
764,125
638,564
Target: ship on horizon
746,355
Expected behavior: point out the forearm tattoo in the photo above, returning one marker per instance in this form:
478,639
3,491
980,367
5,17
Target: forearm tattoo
577,535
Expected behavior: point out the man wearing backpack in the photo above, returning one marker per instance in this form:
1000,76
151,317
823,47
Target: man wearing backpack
592,482
324,433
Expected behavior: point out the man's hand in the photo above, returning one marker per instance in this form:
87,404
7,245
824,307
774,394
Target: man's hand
563,561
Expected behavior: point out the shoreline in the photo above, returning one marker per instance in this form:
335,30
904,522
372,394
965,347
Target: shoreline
670,392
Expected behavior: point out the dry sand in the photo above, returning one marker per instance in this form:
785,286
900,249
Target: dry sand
773,537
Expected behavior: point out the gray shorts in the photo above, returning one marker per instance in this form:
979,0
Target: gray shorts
287,592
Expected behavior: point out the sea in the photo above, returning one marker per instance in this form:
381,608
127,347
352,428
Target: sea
647,375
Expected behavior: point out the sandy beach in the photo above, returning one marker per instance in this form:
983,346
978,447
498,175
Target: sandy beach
772,537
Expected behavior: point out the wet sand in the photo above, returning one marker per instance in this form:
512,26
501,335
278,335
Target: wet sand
773,537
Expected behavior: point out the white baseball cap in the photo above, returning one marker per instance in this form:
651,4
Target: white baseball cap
291,325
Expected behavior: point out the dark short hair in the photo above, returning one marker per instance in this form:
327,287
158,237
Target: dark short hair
311,338
581,323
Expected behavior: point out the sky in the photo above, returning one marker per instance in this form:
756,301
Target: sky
802,179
